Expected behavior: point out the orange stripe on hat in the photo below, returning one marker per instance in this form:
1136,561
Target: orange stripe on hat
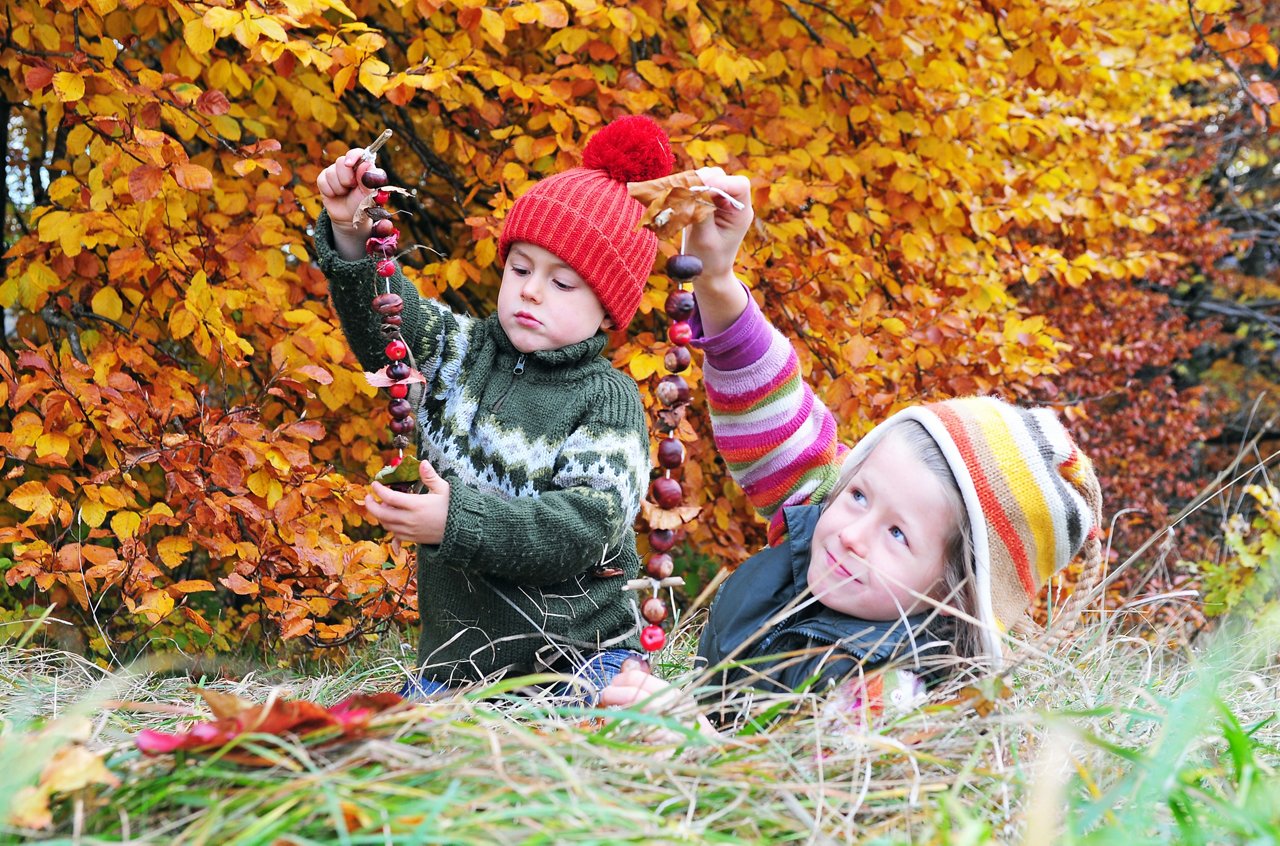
992,507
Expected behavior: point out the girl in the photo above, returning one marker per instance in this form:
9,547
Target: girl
926,541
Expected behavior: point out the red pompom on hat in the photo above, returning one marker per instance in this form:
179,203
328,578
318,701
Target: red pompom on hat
586,218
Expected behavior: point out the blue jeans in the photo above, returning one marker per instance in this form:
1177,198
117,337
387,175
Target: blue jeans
596,673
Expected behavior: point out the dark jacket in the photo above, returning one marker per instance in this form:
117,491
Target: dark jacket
833,644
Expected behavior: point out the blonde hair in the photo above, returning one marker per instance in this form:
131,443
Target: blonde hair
959,590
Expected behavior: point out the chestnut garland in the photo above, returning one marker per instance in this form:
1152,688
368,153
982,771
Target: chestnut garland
381,246
672,391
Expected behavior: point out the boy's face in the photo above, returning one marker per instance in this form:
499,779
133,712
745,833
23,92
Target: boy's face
543,303
882,541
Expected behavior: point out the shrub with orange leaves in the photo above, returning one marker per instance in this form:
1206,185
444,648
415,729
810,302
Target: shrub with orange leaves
952,197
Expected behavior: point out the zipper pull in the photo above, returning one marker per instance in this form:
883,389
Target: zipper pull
516,371
519,368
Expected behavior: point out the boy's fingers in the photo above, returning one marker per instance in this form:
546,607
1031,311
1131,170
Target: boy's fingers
392,498
431,479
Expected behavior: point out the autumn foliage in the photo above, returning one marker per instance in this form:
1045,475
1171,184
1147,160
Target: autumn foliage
952,197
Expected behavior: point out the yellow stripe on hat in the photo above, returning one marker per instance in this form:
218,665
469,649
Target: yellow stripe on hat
1019,472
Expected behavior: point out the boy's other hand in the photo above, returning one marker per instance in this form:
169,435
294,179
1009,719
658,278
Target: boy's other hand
639,690
340,188
419,518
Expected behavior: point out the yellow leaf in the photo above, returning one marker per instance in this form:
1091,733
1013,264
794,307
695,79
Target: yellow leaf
193,586
74,767
1024,61
199,37
643,365
93,513
125,524
31,496
173,550
29,808
493,25
68,86
108,304
181,323
193,177
52,443
373,75
155,606
894,326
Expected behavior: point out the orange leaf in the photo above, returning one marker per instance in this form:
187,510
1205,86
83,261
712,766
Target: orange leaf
145,182
193,177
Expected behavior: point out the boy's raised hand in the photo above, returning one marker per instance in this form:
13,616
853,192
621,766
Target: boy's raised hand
419,518
340,188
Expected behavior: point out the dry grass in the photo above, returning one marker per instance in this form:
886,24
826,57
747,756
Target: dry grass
1112,733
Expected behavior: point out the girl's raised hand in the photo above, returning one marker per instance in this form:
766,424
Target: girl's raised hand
716,239
340,188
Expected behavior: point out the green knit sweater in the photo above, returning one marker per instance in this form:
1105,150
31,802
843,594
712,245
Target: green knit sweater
547,457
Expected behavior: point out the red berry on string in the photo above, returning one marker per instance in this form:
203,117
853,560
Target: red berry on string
395,460
677,359
384,228
653,638
679,305
387,267
381,197
398,370
397,350
661,540
654,610
374,177
684,267
399,390
680,333
659,566
670,453
666,492
672,390
399,408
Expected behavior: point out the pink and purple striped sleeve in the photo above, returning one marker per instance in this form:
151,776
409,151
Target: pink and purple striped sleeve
777,438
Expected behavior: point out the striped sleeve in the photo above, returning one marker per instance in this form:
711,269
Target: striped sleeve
777,438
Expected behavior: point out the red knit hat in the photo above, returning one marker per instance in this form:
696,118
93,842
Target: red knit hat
585,216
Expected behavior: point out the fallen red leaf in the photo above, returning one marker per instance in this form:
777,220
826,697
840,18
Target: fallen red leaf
234,716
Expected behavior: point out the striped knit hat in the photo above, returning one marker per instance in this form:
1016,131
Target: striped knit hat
588,220
1031,495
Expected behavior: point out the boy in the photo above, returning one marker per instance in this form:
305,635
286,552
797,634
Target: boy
534,448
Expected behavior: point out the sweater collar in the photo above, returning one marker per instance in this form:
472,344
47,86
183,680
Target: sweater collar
578,353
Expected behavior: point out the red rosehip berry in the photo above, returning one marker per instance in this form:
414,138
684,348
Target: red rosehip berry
684,267
397,350
382,197
654,610
395,461
679,305
399,390
670,453
680,332
659,566
386,267
384,228
653,638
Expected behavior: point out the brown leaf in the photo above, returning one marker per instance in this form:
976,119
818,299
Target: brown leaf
669,203
668,518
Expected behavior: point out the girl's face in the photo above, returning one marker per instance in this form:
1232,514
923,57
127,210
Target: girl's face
882,541
543,304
